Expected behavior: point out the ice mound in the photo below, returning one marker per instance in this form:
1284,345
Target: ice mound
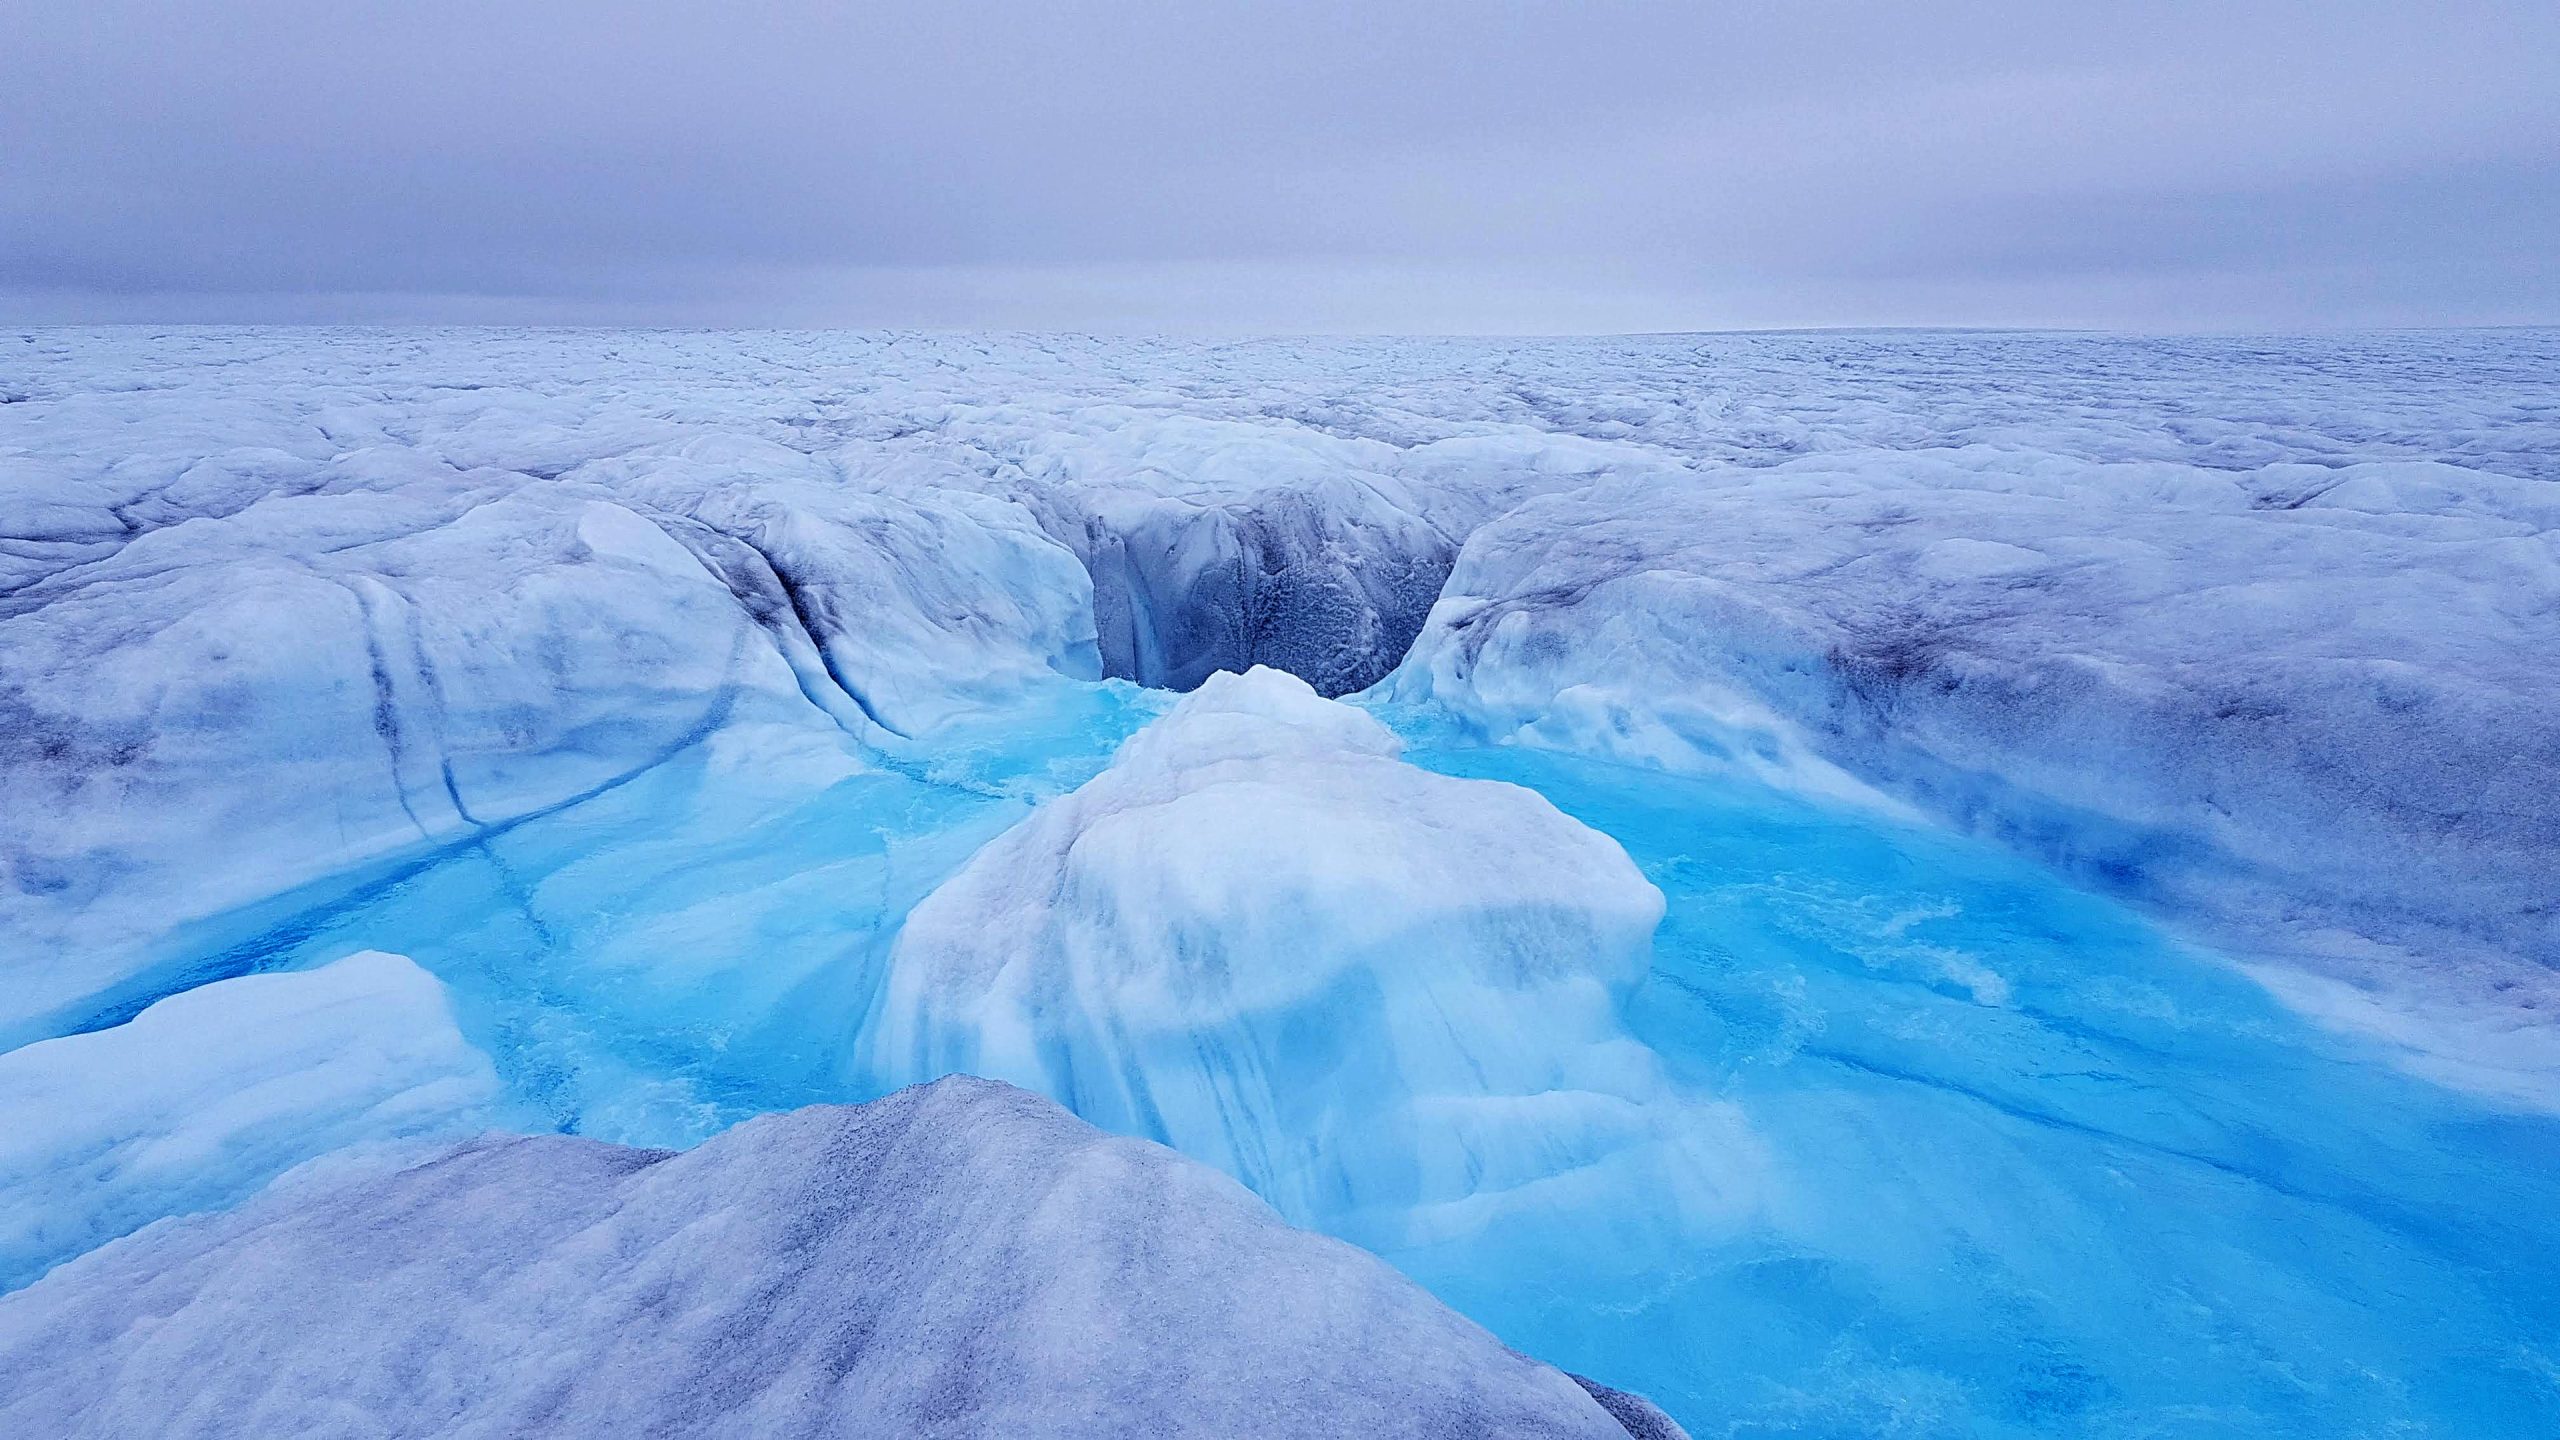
1381,997
209,1094
959,1259
2293,699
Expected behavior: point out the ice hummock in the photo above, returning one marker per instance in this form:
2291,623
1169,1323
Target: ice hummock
958,1259
1385,998
202,1098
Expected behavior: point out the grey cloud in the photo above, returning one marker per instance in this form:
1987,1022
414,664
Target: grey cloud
1330,165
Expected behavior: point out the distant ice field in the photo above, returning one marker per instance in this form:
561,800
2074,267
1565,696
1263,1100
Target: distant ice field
1852,883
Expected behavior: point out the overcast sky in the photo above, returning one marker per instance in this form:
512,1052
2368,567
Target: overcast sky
1391,165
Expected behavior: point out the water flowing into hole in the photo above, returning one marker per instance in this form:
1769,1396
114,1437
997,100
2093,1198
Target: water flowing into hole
1330,585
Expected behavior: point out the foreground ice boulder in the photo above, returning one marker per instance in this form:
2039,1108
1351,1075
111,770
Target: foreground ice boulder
209,1094
1382,997
960,1259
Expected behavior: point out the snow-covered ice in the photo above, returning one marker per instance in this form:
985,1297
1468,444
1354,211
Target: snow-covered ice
644,686
960,1259
196,1102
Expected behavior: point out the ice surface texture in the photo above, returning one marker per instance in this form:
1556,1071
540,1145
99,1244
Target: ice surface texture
2268,616
2255,627
1367,990
960,1259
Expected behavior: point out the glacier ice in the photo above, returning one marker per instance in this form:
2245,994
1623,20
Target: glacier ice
960,1259
399,656
639,686
883,533
1382,997
202,1098
2201,688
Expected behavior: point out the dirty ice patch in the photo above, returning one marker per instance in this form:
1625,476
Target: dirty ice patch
958,1260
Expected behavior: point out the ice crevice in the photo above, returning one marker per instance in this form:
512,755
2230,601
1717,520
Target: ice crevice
785,613
1330,585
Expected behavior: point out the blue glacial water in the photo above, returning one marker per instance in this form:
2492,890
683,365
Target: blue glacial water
2038,1169
2022,1164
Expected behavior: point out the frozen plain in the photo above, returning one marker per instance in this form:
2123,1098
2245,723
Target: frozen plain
2094,792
